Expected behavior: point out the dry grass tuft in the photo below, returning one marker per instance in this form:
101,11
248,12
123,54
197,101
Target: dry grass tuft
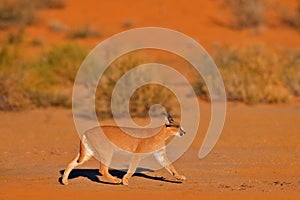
83,32
46,81
141,100
20,13
49,4
247,14
16,13
291,72
255,74
291,17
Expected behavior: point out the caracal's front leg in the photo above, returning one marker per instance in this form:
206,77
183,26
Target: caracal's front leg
132,168
104,171
161,157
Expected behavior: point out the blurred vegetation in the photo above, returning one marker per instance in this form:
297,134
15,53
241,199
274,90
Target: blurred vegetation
251,14
291,72
45,80
291,17
247,14
254,73
20,13
15,13
83,32
48,4
141,100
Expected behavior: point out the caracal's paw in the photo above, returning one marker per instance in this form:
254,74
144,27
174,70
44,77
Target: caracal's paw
116,180
65,181
125,181
180,177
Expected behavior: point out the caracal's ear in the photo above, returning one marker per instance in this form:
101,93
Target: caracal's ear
168,118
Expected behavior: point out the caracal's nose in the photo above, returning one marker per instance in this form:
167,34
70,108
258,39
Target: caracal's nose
182,132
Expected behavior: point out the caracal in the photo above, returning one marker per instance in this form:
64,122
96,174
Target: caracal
137,146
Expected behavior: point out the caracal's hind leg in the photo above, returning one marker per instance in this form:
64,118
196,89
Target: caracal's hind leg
161,157
81,158
104,171
132,168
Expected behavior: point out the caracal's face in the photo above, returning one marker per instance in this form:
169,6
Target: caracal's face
174,127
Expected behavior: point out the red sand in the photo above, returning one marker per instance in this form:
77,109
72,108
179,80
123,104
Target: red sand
257,156
206,21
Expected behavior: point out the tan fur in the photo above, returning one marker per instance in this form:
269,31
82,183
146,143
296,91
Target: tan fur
82,152
154,144
132,144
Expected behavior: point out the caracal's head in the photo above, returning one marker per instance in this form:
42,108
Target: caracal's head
173,127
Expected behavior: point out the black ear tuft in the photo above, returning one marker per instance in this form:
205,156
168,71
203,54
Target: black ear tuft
170,118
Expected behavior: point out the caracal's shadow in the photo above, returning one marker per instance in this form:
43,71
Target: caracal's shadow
93,175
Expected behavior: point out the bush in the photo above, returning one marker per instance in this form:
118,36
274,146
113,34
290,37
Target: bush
61,63
291,72
291,17
247,14
47,81
22,12
12,95
83,32
15,13
141,100
253,74
49,4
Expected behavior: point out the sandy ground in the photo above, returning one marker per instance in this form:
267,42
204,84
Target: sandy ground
208,22
257,156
